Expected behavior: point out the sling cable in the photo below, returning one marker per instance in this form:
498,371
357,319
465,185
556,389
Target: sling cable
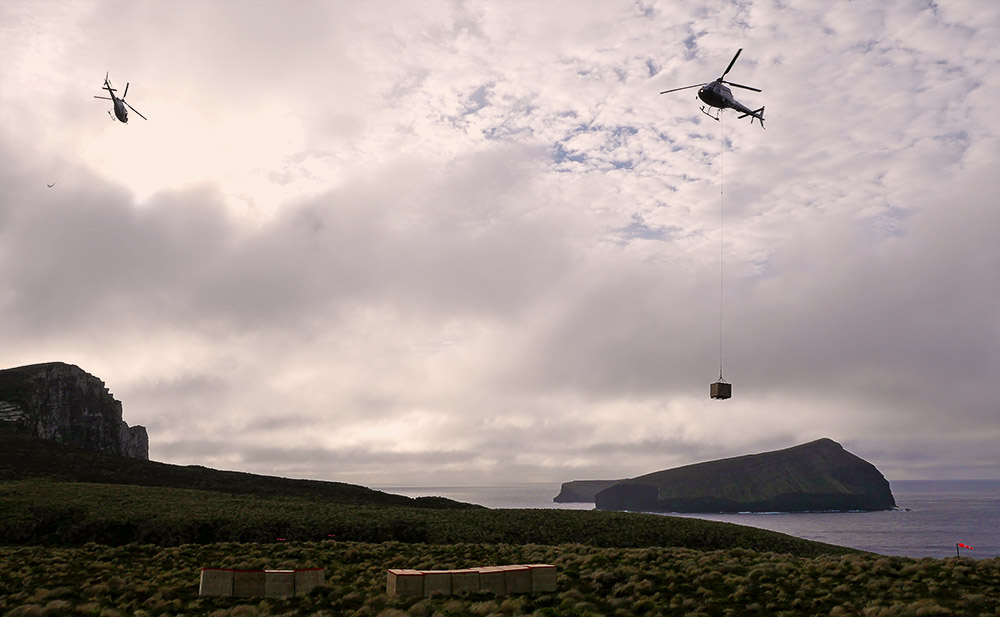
721,389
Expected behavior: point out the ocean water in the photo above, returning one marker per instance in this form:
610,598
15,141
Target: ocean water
934,516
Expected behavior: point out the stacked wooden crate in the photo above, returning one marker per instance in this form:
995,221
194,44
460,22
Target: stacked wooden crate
259,583
500,580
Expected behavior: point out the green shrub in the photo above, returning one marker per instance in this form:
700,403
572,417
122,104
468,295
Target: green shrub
96,580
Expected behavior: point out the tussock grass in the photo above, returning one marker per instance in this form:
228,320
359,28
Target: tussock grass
122,550
70,513
154,581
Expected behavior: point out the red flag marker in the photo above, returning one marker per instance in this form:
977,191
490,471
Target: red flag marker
965,546
959,545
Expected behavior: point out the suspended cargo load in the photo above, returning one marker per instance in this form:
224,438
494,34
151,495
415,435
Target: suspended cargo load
722,390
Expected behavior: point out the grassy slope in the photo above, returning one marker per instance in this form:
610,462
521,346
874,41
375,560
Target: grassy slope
72,513
150,581
60,495
609,563
23,456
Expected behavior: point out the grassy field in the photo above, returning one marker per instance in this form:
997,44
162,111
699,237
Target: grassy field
96,536
151,581
39,511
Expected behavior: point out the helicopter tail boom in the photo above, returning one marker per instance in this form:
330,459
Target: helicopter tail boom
756,113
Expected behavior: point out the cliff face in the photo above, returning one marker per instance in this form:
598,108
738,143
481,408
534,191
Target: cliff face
582,491
65,404
819,475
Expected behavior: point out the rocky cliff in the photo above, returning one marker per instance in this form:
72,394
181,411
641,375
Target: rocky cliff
817,476
582,491
65,404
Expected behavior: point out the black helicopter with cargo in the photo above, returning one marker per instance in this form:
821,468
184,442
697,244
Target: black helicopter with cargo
716,94
119,103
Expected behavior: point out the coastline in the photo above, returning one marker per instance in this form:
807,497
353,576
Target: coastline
931,516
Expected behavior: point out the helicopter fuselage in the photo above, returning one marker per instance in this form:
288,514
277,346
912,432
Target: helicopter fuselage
120,111
118,104
718,95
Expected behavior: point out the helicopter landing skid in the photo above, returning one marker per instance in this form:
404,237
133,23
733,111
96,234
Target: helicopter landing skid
715,117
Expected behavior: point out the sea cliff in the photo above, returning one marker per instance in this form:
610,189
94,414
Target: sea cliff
582,491
63,403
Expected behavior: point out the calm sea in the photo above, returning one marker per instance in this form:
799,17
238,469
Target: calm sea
934,516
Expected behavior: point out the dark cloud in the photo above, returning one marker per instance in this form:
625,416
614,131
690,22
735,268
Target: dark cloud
470,243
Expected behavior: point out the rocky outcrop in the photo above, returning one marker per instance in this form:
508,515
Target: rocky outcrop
65,404
628,496
582,491
817,476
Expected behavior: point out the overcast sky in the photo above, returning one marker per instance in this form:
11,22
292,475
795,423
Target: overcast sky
445,242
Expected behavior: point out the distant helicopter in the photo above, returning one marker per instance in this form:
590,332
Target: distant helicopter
119,103
717,95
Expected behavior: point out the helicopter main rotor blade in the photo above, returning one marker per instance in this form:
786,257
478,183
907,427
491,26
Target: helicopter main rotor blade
684,88
744,87
124,94
731,63
136,111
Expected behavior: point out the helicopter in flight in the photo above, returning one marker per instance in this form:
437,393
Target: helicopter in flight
119,103
716,94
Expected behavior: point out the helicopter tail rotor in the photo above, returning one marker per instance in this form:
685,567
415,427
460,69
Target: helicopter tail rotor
755,114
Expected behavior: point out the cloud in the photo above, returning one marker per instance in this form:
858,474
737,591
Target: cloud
467,242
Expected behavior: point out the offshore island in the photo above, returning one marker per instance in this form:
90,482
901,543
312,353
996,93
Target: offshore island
819,476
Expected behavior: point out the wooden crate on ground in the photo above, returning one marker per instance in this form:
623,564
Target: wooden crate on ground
404,582
464,580
248,583
499,580
260,583
308,579
216,582
543,577
279,583
517,579
437,581
493,580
